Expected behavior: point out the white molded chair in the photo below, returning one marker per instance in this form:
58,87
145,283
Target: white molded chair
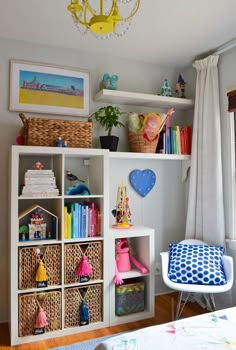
207,290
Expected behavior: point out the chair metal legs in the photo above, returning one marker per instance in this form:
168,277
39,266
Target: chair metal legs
181,302
210,301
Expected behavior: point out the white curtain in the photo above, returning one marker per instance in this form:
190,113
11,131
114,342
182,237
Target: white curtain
205,213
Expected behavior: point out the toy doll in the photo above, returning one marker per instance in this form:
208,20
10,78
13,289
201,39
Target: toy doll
124,259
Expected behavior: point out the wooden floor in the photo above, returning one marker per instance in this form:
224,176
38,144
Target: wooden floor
163,313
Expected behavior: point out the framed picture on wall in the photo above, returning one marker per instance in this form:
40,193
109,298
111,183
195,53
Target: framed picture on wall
42,88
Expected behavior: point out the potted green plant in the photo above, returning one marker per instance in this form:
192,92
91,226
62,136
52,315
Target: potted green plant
108,118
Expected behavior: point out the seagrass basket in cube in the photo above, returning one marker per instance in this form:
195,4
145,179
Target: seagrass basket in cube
92,295
28,263
138,143
45,132
28,309
73,256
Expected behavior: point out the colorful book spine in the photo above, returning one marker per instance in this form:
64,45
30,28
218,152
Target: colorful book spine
65,223
168,137
69,221
76,221
186,139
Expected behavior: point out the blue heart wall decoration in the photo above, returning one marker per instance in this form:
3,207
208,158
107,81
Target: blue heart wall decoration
142,181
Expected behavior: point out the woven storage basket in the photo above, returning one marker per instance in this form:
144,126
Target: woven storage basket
138,143
28,309
45,132
28,263
92,294
73,255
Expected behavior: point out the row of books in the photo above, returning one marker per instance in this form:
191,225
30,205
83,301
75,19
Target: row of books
82,220
175,140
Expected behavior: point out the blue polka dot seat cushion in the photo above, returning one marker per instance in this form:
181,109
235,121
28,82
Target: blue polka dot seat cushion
196,264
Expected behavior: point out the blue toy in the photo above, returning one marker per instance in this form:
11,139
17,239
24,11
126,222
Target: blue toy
59,142
109,82
79,189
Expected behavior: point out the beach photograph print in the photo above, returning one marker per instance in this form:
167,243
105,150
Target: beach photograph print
48,89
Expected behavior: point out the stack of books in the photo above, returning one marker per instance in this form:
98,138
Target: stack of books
39,183
81,220
175,140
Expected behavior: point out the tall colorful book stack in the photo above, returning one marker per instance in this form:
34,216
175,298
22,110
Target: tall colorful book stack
81,220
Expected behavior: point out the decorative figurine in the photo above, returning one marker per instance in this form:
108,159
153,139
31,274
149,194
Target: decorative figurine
37,226
180,87
109,82
113,82
166,89
72,177
24,232
122,212
38,166
59,142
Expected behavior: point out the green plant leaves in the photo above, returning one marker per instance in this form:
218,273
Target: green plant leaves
108,117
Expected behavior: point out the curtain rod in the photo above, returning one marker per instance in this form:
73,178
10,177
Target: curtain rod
219,50
225,47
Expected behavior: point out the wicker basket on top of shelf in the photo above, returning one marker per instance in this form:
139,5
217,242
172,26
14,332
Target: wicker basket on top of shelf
45,132
138,143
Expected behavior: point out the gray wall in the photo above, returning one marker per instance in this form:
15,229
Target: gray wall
133,76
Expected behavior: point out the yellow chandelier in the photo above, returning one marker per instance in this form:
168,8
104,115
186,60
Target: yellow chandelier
103,18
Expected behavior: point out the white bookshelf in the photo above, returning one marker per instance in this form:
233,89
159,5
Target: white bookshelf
141,239
93,165
90,164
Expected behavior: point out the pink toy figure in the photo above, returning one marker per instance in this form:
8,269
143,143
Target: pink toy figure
124,259
38,166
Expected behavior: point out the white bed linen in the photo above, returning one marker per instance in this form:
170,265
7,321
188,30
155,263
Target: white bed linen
214,330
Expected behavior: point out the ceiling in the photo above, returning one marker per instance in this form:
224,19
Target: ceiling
169,33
